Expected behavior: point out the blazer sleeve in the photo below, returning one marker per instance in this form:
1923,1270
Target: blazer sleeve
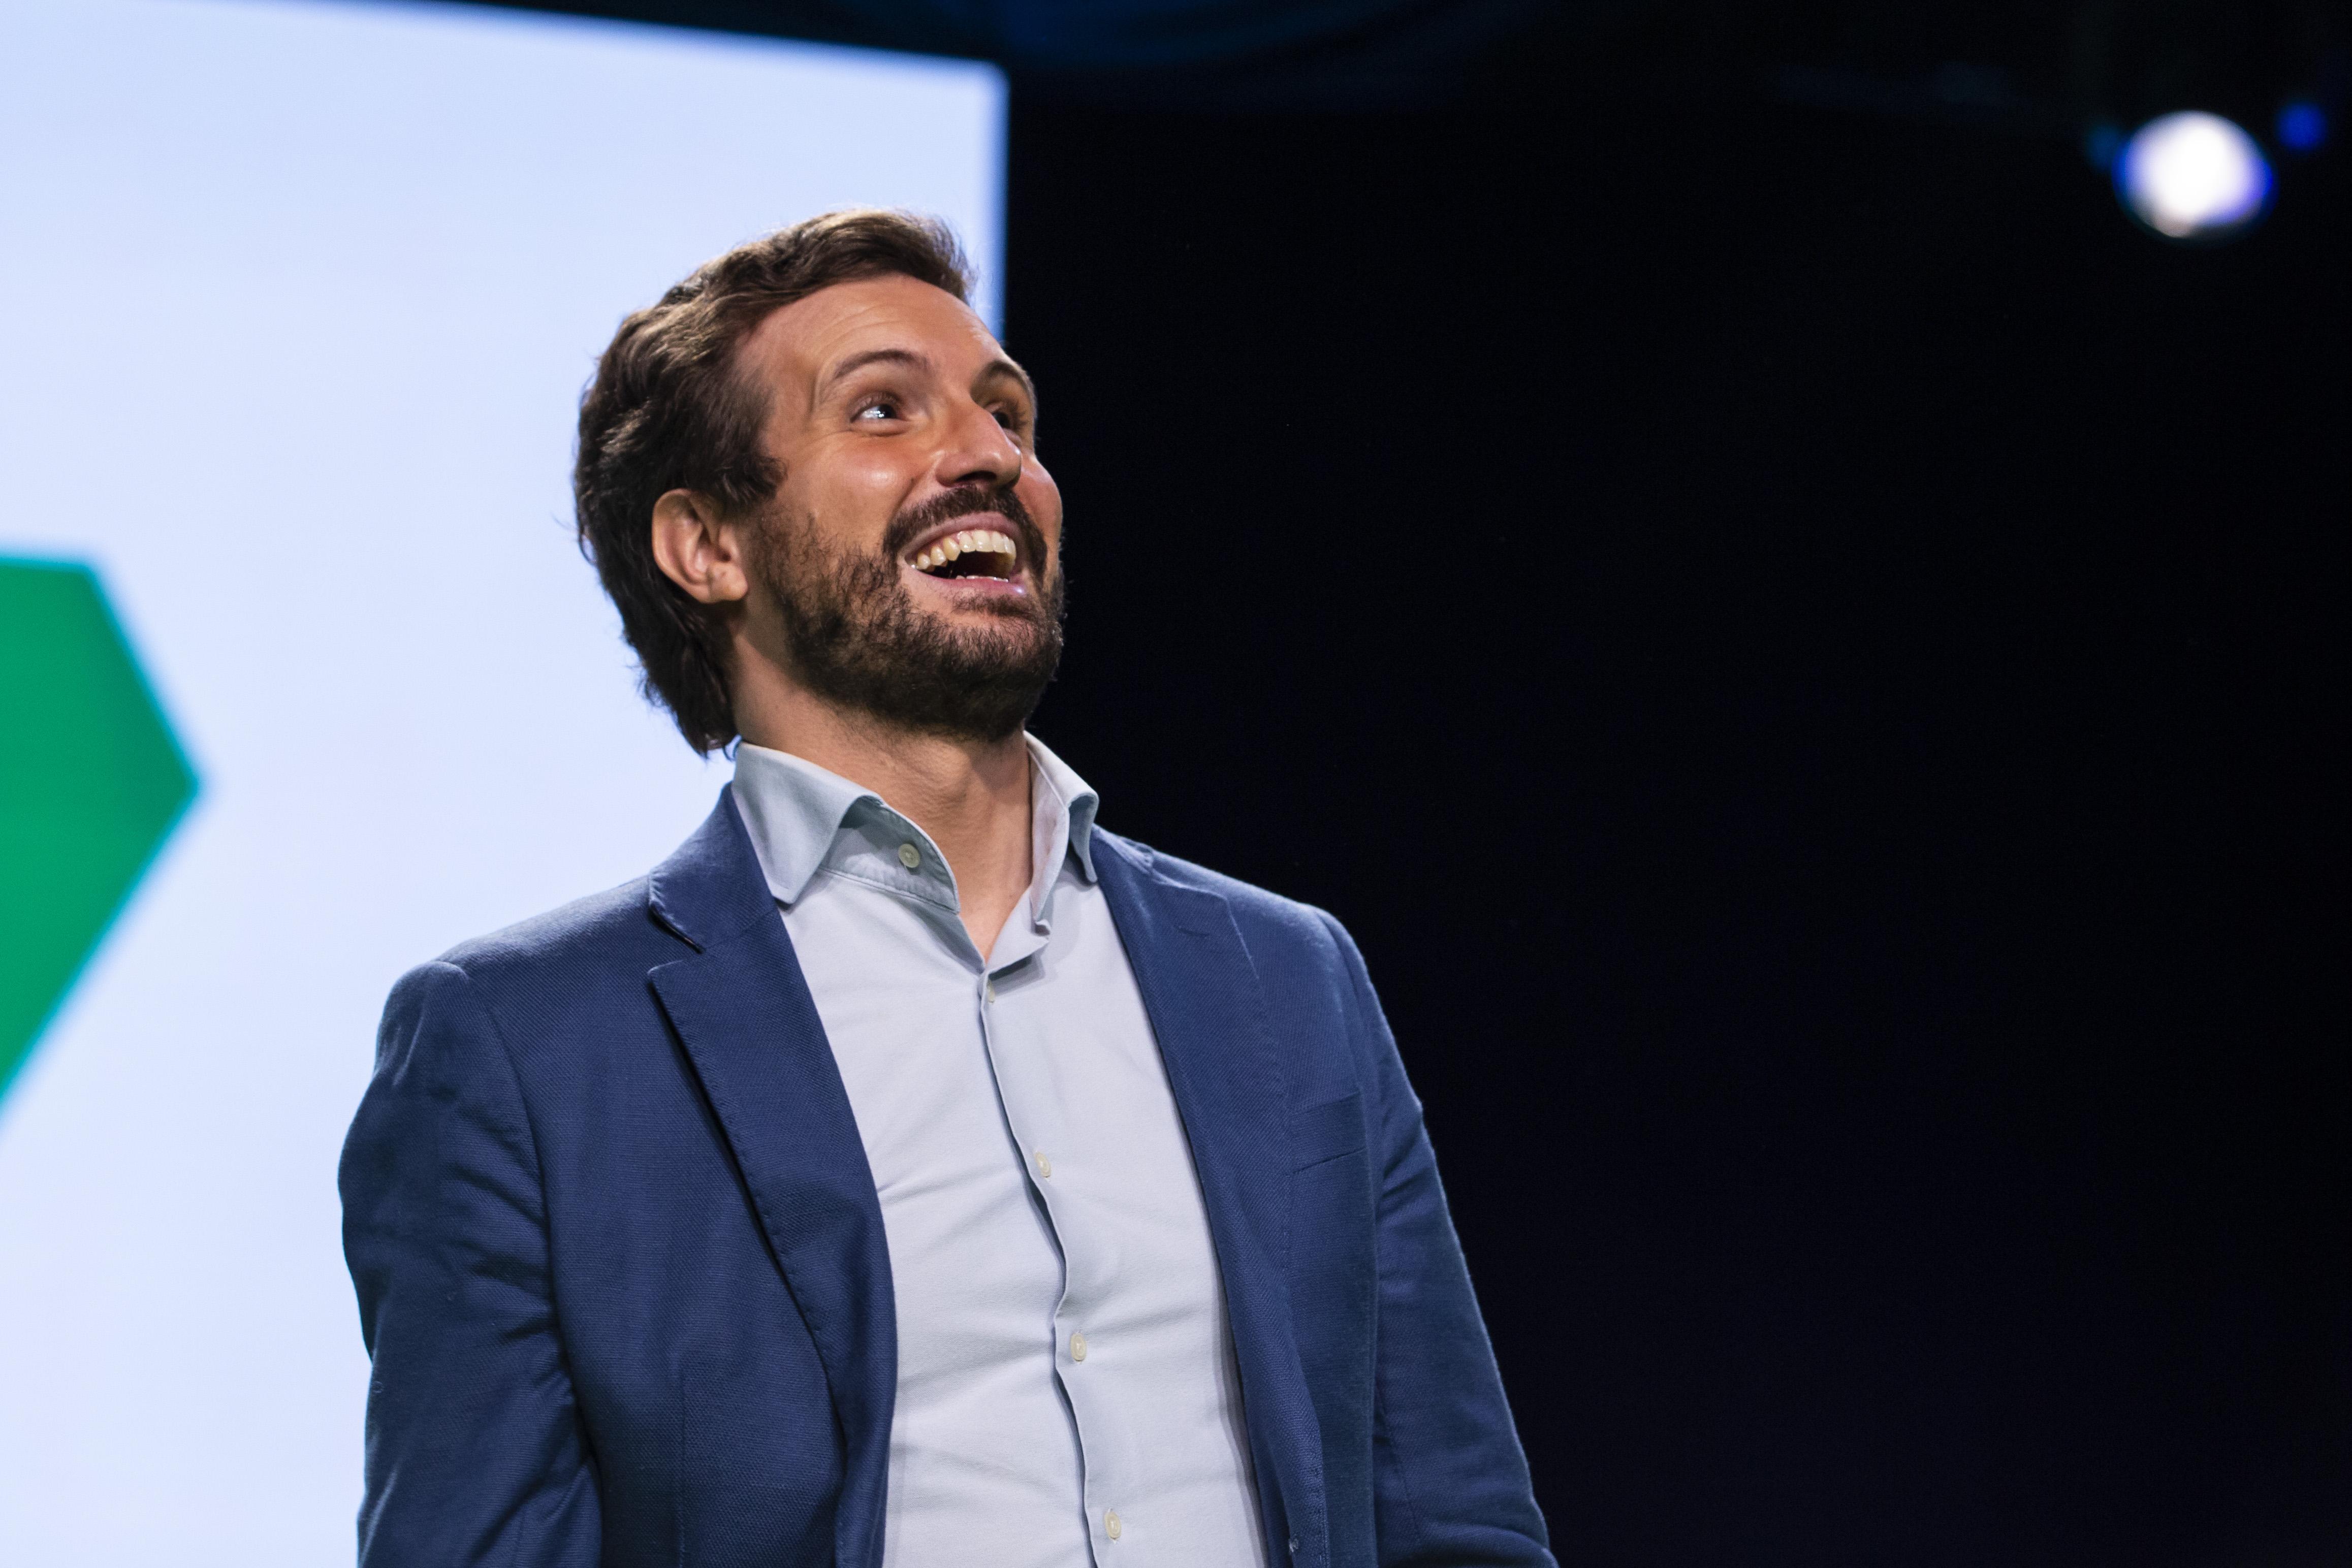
1451,1483
475,1453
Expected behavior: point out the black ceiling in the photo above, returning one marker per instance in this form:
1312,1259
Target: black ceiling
2008,65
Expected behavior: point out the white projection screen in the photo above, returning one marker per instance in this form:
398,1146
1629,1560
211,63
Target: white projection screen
301,299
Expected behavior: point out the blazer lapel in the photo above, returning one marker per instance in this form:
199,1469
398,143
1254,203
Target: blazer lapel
1201,991
742,1009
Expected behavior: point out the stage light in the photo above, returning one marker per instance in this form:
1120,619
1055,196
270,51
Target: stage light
2193,176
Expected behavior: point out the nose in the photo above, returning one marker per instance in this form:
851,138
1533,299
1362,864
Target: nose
977,451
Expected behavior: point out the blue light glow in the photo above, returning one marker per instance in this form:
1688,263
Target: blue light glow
2101,142
2302,126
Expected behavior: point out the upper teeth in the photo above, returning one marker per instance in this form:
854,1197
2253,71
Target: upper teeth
987,541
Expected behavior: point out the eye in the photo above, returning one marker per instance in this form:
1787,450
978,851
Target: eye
880,409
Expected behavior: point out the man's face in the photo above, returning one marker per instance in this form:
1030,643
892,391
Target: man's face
909,566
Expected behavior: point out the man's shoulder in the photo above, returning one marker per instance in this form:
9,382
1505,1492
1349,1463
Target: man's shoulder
622,931
608,931
1262,915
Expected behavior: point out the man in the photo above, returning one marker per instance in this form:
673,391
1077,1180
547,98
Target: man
908,1171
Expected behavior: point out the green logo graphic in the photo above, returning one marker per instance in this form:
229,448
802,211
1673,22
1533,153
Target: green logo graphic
90,784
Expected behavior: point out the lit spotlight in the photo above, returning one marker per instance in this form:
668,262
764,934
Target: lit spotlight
2193,176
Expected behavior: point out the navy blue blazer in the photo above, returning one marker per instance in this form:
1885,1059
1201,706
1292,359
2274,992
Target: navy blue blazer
621,1268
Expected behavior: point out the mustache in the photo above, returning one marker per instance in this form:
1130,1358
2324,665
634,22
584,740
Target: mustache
916,521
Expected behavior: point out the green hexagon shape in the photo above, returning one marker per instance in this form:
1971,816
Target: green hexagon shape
91,782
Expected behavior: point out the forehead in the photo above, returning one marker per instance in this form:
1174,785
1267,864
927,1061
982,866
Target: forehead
799,342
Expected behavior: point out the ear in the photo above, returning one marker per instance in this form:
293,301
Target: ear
696,551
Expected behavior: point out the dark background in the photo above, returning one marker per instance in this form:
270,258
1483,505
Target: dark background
1809,652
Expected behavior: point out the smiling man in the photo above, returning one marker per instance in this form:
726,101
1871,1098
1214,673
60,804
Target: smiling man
908,1171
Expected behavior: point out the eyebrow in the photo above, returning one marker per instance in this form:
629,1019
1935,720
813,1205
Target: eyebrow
997,369
994,369
856,362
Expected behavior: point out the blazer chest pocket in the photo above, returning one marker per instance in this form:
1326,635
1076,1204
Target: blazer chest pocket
1327,1130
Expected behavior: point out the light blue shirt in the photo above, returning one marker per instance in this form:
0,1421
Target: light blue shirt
1067,1394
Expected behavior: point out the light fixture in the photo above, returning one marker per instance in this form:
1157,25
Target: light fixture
2193,176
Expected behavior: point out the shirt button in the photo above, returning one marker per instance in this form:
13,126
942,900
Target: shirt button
1045,1166
910,856
992,990
1078,1353
1111,1526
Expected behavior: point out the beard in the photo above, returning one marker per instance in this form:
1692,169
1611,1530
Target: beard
857,639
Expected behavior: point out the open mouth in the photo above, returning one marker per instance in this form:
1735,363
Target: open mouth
971,553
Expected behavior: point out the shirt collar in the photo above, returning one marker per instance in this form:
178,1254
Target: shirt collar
795,811
1062,795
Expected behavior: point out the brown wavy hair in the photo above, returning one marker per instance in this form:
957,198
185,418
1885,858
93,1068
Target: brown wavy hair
669,410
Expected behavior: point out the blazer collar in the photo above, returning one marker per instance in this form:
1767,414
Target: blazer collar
710,888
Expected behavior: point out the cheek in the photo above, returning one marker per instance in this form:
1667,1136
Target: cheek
1044,499
853,494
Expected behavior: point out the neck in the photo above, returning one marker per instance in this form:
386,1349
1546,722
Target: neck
973,797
